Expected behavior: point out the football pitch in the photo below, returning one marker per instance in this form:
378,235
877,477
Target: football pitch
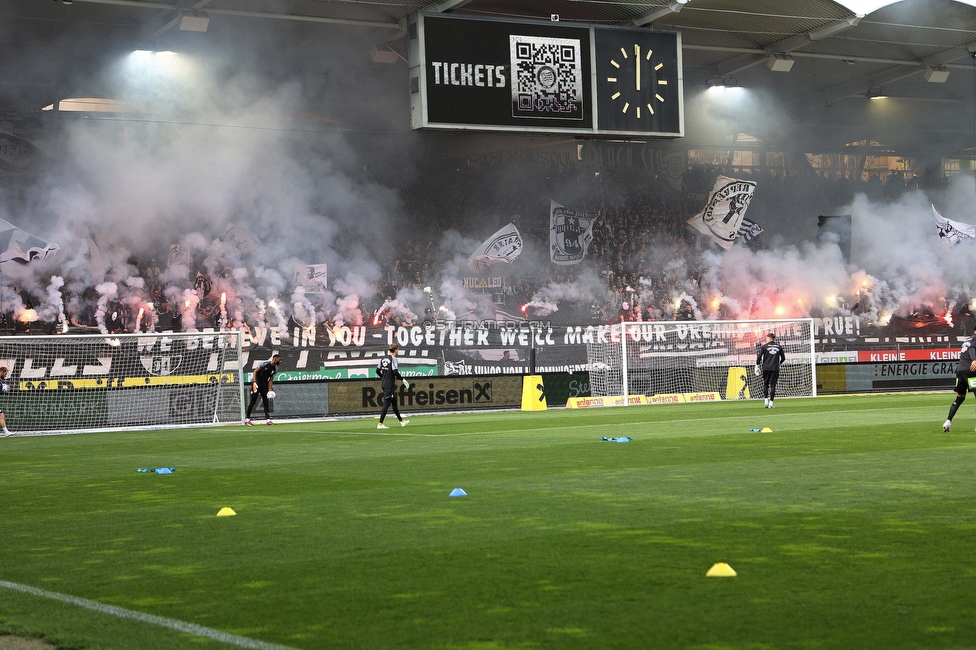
852,524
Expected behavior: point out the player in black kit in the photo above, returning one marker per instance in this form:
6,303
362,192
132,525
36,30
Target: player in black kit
965,371
388,371
261,383
770,356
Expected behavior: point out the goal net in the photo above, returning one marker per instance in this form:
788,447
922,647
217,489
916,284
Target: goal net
670,362
89,382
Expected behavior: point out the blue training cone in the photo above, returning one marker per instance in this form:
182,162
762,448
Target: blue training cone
458,492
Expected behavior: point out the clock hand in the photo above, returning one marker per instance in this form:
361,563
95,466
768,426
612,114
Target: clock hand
637,61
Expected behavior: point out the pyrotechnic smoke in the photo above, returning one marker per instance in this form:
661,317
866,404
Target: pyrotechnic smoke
106,291
52,308
279,317
395,308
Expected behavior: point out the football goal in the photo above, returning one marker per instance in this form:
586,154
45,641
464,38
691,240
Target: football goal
669,362
131,381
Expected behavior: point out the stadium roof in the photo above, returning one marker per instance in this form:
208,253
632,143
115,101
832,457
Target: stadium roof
843,52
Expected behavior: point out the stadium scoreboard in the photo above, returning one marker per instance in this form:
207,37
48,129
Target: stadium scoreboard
544,77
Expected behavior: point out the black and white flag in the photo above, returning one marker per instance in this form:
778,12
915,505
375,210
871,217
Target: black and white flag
504,246
749,230
570,234
952,232
722,215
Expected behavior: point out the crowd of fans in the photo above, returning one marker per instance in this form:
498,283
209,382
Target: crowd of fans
647,258
644,262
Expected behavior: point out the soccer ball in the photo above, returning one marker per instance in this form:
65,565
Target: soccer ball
271,394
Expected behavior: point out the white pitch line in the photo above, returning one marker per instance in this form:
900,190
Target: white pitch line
161,621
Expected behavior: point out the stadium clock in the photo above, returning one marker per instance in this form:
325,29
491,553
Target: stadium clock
637,81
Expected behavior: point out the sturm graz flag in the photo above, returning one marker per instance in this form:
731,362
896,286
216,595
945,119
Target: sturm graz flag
749,230
726,207
570,233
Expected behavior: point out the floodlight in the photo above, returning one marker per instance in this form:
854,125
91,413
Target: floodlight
780,63
194,20
936,74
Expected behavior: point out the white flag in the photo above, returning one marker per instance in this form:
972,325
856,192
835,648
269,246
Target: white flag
951,231
314,277
722,215
21,247
504,246
239,239
570,234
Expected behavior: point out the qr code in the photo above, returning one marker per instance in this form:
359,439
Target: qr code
547,77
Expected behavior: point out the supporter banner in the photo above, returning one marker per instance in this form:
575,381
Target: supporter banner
314,277
239,239
179,255
504,246
122,363
722,215
657,160
952,232
474,282
570,234
311,355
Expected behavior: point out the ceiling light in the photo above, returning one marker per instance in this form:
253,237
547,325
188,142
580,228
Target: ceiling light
780,63
194,20
722,82
936,74
875,92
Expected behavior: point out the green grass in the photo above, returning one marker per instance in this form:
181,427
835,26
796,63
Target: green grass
852,525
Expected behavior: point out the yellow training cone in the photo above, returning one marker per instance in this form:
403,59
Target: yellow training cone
721,570
226,512
766,430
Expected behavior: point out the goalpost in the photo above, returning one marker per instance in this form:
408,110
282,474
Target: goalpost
91,382
669,362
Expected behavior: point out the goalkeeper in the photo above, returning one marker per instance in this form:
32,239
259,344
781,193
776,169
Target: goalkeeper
388,371
262,381
4,389
964,372
770,356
